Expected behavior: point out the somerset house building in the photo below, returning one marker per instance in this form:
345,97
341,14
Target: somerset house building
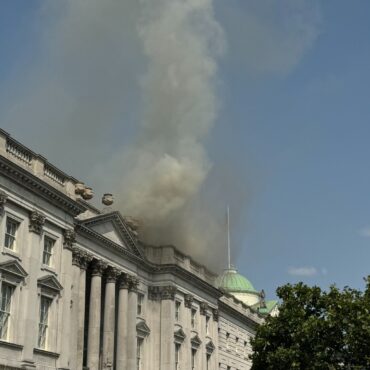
79,290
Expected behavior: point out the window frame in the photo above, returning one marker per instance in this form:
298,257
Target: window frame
52,253
46,336
11,312
177,310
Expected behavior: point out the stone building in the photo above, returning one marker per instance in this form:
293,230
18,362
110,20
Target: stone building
80,290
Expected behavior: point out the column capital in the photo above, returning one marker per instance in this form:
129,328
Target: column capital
80,258
123,281
215,314
133,283
3,200
69,238
112,274
36,222
203,308
98,267
188,300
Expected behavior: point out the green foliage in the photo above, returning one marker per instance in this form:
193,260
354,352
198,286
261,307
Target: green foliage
316,330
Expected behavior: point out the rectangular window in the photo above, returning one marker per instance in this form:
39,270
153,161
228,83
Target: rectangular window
5,307
177,355
45,304
177,310
193,358
193,317
10,233
207,324
48,251
140,301
139,353
227,340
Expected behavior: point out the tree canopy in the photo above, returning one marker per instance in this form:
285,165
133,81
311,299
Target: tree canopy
316,329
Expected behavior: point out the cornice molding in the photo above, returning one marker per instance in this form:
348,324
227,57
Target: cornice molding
39,187
124,230
224,307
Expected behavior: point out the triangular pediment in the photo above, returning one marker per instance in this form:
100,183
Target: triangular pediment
113,227
179,335
142,329
50,282
13,267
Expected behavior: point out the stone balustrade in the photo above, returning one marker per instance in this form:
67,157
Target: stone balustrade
37,165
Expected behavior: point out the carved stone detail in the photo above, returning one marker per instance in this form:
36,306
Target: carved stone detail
3,200
80,258
133,283
158,293
69,238
188,300
37,221
123,281
112,274
98,267
203,308
215,314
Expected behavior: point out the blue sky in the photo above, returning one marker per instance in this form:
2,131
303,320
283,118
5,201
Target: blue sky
294,124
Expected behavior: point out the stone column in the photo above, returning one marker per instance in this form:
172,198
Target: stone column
85,259
167,296
30,308
186,358
131,325
215,314
202,333
93,342
109,318
122,322
76,253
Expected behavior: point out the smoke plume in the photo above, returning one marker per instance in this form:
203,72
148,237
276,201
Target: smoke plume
122,94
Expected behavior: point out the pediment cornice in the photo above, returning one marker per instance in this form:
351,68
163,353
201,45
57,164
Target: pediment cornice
50,282
13,267
121,227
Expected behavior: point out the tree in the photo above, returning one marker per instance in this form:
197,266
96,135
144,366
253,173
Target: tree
315,330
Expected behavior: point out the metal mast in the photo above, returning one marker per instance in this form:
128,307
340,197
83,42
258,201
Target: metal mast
228,238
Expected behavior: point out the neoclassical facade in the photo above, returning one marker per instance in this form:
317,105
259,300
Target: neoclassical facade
79,290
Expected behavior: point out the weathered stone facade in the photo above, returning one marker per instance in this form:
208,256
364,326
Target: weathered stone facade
80,290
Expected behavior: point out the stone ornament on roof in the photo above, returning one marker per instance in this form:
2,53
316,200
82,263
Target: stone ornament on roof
36,222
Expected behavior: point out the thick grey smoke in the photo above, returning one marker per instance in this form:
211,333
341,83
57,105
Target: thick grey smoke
122,94
162,171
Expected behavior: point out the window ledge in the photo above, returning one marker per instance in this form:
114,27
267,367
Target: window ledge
12,253
49,269
46,353
11,345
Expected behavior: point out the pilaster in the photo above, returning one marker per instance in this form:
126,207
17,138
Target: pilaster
109,318
93,344
131,326
122,322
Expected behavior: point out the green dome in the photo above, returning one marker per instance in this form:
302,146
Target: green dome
232,282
